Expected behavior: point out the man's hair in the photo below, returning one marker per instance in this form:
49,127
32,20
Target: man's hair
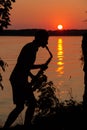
41,34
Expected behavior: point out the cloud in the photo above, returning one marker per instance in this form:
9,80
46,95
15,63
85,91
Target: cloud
86,11
84,20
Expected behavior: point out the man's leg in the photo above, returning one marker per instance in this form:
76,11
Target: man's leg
30,111
13,115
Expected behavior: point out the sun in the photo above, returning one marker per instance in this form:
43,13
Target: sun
60,27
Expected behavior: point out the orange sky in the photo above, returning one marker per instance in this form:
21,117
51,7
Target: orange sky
72,14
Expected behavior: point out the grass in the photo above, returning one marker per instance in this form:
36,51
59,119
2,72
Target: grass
71,116
64,117
51,114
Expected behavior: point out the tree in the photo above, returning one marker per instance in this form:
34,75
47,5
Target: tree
3,66
5,7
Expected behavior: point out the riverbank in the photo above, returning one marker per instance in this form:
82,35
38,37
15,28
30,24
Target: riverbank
69,117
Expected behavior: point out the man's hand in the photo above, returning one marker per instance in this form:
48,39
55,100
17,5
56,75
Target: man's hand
44,66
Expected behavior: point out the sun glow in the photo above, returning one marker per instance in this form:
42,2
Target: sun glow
60,27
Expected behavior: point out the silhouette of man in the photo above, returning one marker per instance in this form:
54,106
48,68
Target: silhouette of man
19,79
84,52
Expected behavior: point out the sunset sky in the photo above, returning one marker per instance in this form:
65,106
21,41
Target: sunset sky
72,14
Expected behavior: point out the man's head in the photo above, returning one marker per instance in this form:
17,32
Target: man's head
41,37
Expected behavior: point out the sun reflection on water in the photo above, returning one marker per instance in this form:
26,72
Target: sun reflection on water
60,56
61,92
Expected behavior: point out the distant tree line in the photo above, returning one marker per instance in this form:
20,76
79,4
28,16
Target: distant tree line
5,7
31,32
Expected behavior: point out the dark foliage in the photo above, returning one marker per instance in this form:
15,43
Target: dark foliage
5,7
2,65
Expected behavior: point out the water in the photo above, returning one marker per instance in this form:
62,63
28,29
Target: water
65,69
